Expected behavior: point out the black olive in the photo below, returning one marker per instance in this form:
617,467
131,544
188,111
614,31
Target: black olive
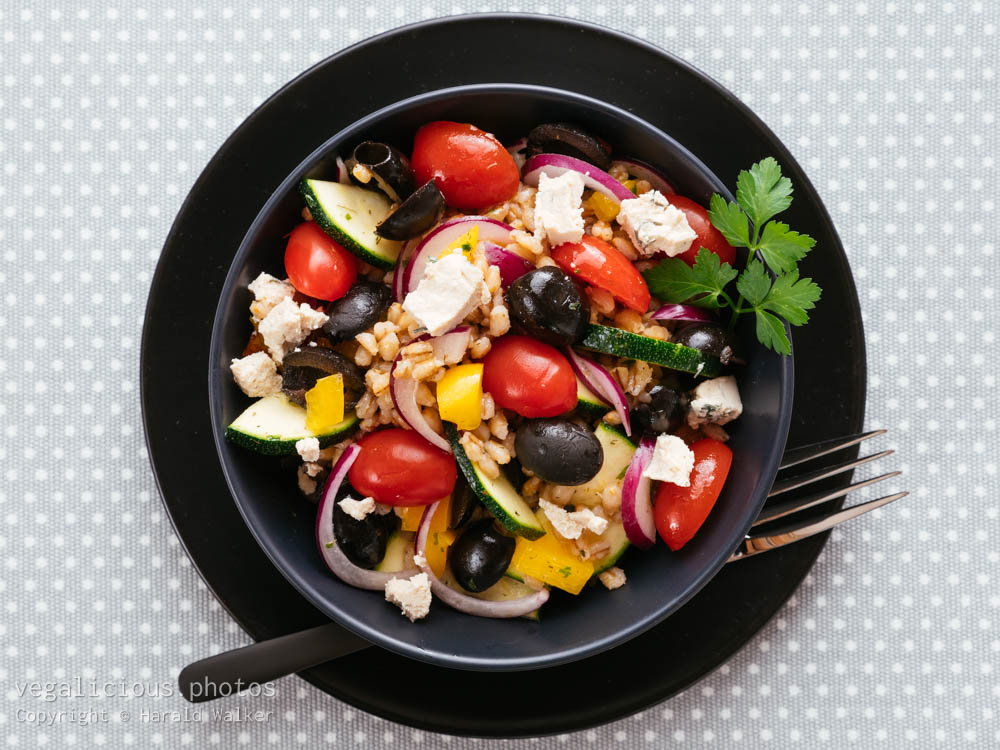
364,542
708,338
463,503
558,451
548,305
391,171
480,556
664,412
569,140
362,307
415,215
301,369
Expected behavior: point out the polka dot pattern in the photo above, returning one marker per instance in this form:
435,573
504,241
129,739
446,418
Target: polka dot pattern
108,112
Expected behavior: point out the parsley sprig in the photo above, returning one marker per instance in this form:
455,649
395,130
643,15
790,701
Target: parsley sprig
761,194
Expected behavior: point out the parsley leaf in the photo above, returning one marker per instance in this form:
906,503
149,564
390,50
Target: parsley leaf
754,283
782,248
729,219
771,333
790,297
703,284
762,191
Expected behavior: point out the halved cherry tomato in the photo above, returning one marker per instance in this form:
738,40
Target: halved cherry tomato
708,237
602,265
529,377
398,467
472,169
317,265
680,511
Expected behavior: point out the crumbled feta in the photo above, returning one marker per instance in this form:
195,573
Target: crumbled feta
357,509
313,469
287,325
716,400
570,525
558,209
308,448
672,461
450,289
411,595
420,561
654,226
612,578
307,485
268,293
256,374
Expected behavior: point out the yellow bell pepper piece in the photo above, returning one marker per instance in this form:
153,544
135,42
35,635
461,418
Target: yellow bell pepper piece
463,244
439,537
604,208
552,560
630,184
325,403
411,517
460,396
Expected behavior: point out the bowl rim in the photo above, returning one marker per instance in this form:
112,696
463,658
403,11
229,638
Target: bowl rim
345,617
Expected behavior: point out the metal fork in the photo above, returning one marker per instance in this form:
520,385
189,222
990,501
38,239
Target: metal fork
764,537
231,671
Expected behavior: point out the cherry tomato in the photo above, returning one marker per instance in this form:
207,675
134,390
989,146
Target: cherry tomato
602,265
317,265
472,168
708,237
680,511
529,377
398,467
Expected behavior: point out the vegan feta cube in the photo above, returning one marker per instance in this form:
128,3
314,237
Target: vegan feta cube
716,401
287,325
672,461
411,595
558,208
268,293
570,525
357,509
612,578
308,448
654,226
256,375
451,289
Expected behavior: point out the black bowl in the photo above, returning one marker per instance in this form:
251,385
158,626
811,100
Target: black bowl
659,582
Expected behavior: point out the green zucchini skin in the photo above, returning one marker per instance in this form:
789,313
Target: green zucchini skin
619,343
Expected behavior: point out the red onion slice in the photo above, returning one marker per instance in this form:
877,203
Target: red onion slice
471,605
554,165
602,383
399,275
333,556
516,150
643,171
682,312
637,507
404,398
512,266
434,243
342,176
451,347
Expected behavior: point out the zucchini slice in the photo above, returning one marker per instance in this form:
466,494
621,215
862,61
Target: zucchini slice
621,343
618,451
616,537
398,553
498,495
588,403
273,424
350,214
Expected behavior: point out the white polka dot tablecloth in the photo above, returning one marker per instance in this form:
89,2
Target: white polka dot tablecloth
109,111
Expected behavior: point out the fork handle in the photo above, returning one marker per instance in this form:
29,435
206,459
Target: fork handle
229,672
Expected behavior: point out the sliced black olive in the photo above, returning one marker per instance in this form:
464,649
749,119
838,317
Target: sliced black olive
418,213
546,304
664,412
558,451
569,140
390,169
708,338
463,503
480,556
364,542
362,307
301,369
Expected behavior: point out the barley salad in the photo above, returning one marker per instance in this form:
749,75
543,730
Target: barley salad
500,367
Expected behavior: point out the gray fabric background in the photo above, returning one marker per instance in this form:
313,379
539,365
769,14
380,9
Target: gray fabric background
108,112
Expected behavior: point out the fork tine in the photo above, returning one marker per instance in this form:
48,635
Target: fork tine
801,480
779,510
805,453
754,545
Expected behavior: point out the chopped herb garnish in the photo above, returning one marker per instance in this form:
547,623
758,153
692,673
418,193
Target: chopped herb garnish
565,571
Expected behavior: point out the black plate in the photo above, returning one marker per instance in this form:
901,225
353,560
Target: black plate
829,377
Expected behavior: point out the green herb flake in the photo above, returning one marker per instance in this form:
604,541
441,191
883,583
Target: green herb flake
565,571
328,545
